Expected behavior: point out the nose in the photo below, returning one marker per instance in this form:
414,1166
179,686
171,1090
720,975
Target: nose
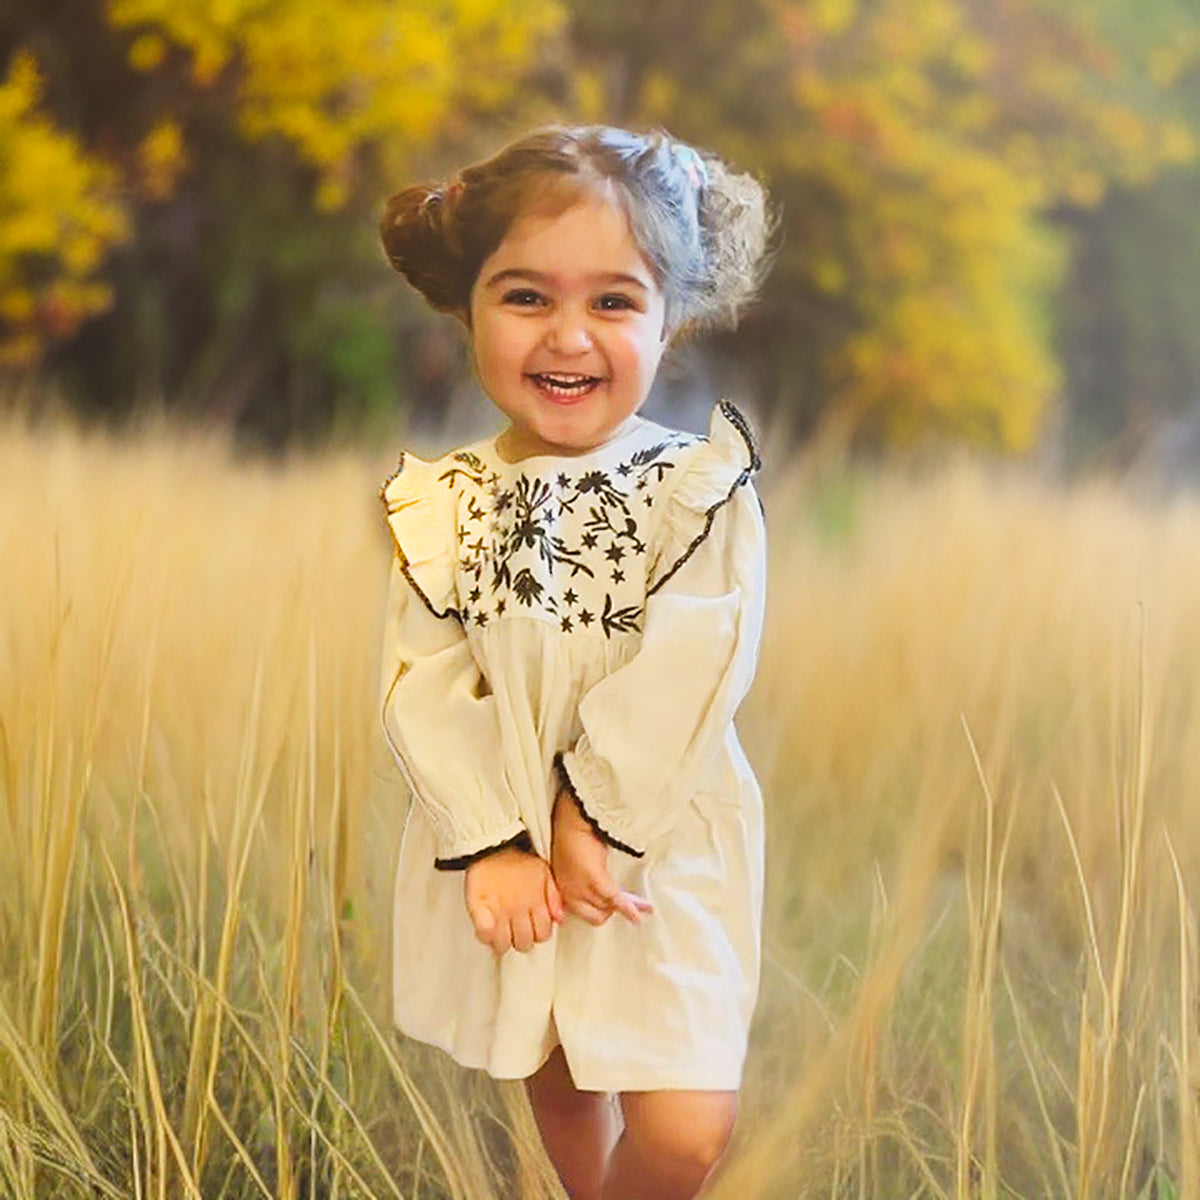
569,333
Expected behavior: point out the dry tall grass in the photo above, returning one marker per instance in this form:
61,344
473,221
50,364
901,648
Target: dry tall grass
974,723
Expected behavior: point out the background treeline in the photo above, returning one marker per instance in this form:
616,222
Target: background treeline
990,228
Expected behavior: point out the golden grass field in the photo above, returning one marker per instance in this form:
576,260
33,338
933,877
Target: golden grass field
977,728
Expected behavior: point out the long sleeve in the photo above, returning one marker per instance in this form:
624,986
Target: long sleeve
438,711
651,728
439,719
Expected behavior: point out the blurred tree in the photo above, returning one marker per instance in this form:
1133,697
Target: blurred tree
1130,315
935,160
253,144
60,215
918,148
1131,306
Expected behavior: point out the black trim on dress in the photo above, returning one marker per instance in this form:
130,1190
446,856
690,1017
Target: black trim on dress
402,558
522,841
739,423
595,826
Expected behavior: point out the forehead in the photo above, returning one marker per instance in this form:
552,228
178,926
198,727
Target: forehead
586,232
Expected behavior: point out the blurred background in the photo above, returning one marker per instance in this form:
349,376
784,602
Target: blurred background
989,222
976,710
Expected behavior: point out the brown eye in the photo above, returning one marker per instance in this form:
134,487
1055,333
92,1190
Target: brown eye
614,302
522,297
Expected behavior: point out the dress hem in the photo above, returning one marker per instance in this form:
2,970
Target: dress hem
608,1084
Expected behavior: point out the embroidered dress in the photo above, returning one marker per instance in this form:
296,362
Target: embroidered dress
596,619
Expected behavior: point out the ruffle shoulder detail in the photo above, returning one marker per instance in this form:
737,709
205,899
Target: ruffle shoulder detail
422,525
719,465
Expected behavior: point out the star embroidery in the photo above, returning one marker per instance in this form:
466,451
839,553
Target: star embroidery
500,606
462,535
585,617
614,553
474,594
624,469
481,618
618,576
569,596
563,480
566,624
589,540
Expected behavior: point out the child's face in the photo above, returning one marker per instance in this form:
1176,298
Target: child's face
567,328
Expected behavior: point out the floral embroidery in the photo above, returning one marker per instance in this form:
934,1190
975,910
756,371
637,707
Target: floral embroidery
562,545
528,589
571,549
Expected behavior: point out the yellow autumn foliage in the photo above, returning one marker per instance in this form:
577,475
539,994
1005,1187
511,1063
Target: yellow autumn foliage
331,80
929,142
352,88
60,215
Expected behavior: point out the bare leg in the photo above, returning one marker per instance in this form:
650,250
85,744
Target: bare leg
578,1128
671,1143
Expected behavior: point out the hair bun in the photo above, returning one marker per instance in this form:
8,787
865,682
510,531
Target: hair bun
417,231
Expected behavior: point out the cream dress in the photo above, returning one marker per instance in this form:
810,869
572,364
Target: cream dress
603,611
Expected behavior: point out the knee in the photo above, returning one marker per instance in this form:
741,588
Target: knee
683,1138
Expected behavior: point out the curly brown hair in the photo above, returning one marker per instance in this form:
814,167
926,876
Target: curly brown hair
702,228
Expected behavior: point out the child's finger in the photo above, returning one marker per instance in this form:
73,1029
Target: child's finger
585,910
631,907
602,890
484,921
543,923
502,939
523,935
554,900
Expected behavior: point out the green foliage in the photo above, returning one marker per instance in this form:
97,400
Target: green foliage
1130,316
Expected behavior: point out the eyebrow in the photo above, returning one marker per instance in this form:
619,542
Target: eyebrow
541,277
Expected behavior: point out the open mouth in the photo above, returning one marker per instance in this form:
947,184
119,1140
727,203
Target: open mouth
560,385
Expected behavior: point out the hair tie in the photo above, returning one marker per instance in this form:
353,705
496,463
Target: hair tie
447,195
691,164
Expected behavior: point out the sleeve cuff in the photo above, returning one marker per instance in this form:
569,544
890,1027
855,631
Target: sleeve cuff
606,837
521,841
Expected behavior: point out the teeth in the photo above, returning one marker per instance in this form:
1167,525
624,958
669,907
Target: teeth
564,383
566,380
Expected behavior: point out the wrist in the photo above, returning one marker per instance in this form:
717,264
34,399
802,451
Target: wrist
568,819
503,857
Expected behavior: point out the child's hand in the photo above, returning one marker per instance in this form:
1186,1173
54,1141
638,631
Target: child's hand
512,900
580,863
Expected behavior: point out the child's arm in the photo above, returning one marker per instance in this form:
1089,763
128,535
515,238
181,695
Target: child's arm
652,728
439,719
579,859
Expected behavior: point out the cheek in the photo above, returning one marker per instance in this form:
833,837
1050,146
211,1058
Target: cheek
492,349
643,353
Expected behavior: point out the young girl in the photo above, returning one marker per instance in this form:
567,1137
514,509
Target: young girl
573,620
